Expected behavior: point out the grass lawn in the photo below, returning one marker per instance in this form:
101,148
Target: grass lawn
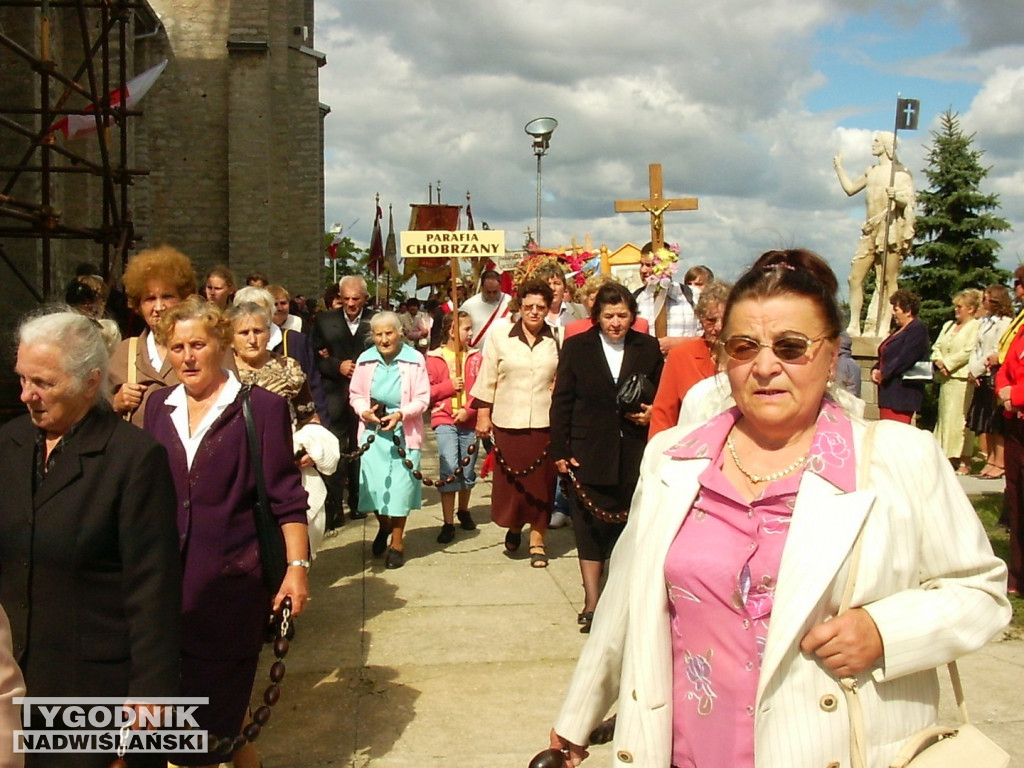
989,506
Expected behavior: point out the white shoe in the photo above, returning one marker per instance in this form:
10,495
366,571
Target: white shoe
559,520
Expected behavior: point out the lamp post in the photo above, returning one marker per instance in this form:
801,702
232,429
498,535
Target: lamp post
540,129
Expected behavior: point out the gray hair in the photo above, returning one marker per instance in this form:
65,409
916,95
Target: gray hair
253,294
382,318
714,293
243,309
353,280
81,341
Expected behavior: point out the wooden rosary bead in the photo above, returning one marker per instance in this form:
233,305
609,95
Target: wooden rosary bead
277,671
262,715
272,695
251,732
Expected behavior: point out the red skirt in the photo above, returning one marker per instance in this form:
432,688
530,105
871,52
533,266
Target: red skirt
527,500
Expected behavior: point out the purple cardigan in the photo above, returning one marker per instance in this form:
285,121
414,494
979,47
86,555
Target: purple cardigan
224,603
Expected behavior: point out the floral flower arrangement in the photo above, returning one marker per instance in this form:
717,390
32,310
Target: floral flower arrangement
577,266
666,264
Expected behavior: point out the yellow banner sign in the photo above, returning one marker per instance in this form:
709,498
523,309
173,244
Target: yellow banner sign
469,244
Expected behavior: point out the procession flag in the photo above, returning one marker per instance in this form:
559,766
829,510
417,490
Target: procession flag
76,126
907,111
376,259
391,248
332,249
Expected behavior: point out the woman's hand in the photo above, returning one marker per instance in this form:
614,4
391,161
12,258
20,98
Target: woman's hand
563,466
643,416
876,376
847,645
390,421
483,423
129,397
574,753
458,383
460,416
941,368
295,586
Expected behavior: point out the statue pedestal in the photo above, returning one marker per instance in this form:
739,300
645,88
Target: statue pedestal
865,352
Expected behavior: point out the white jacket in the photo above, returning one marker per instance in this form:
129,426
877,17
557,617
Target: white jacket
927,576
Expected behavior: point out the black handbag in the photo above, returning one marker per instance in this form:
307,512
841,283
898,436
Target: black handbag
635,391
268,533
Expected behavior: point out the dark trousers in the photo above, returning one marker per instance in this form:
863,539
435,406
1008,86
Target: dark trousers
1013,501
346,429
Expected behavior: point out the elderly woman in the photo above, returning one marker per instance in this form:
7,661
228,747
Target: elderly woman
513,399
984,416
600,443
258,366
91,577
950,354
898,398
691,361
390,391
219,286
225,603
586,294
155,280
718,629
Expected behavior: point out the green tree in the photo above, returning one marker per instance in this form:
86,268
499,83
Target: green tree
954,225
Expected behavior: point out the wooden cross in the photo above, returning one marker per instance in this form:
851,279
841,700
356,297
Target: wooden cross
656,205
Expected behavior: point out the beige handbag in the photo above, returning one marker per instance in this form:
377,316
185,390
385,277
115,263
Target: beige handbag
935,747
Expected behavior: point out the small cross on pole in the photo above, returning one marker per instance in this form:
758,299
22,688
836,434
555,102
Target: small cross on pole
656,205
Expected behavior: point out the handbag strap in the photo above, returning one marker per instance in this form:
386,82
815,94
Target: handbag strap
254,450
858,731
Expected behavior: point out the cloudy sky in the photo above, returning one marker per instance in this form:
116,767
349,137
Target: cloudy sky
744,104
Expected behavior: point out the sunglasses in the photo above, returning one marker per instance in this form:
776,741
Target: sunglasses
787,348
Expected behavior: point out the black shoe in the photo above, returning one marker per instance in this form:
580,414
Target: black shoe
380,542
335,519
356,514
465,520
395,559
585,620
447,534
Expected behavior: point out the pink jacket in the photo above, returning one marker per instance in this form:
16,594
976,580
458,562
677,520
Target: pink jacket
415,391
442,390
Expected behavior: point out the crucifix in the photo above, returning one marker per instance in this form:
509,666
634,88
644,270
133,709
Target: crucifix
656,205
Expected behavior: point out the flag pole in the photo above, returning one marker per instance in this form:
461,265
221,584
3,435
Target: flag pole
889,209
454,269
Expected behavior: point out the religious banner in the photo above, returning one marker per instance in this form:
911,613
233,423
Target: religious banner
429,217
468,244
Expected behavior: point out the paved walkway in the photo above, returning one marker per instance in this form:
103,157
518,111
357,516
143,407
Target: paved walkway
462,656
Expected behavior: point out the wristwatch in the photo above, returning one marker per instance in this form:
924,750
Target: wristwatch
299,563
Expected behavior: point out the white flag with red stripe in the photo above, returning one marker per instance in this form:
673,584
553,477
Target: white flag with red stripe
76,126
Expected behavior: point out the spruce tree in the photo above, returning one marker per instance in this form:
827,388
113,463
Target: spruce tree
953,226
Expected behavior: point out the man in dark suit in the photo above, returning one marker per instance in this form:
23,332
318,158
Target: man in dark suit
338,337
91,573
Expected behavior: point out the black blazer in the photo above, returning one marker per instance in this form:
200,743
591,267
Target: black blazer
585,421
331,333
896,355
90,573
296,345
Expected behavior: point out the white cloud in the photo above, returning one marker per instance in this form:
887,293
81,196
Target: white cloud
423,90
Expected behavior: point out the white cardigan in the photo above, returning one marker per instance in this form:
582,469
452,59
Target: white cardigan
927,577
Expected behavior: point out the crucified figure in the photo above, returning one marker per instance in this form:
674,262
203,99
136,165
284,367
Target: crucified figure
887,196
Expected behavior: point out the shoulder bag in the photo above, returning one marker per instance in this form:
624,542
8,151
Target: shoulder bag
635,391
934,747
922,370
268,532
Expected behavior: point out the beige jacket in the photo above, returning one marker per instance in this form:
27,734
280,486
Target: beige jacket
927,576
516,379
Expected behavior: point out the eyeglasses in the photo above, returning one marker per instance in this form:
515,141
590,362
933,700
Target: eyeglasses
531,308
787,348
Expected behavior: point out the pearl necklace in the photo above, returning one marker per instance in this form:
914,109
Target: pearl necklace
769,478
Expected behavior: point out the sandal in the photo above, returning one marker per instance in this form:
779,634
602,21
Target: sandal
512,540
538,557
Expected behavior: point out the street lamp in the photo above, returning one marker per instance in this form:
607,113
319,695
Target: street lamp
540,129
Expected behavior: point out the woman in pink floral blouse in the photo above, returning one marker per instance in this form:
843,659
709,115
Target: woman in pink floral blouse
717,631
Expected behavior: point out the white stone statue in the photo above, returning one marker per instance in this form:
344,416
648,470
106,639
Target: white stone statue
884,195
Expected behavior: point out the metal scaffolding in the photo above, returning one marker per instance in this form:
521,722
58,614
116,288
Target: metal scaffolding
83,85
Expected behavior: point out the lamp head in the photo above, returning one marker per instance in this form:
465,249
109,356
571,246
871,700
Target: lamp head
541,129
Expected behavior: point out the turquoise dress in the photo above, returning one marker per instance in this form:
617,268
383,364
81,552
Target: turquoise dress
386,486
